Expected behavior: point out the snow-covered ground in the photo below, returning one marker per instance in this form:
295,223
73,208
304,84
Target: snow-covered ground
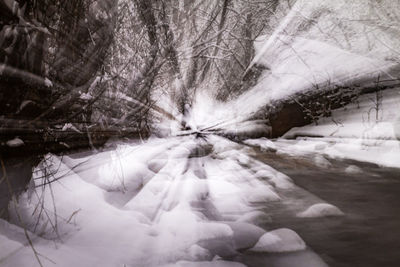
175,202
368,130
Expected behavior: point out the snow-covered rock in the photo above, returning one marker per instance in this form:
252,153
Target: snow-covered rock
321,161
16,142
263,143
320,210
353,169
280,240
262,193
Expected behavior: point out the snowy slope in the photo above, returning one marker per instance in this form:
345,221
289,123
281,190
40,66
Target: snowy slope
170,202
368,130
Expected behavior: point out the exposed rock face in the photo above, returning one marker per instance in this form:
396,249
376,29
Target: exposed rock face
291,115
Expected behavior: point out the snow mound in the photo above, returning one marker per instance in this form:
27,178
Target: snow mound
321,161
277,179
262,193
280,240
320,210
16,142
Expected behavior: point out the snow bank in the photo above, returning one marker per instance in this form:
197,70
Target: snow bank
357,131
372,116
263,143
146,204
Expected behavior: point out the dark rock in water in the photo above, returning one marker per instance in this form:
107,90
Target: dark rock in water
16,172
201,151
223,247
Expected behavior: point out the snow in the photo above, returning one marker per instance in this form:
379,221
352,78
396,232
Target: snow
206,264
263,143
47,82
352,169
176,202
16,142
314,46
263,193
70,126
320,210
280,240
148,204
86,96
321,161
356,131
199,253
277,179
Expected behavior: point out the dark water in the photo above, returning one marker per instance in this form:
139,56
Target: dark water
369,233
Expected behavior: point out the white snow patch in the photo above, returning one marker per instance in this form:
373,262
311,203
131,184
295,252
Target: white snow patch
16,142
352,169
321,161
47,82
263,143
